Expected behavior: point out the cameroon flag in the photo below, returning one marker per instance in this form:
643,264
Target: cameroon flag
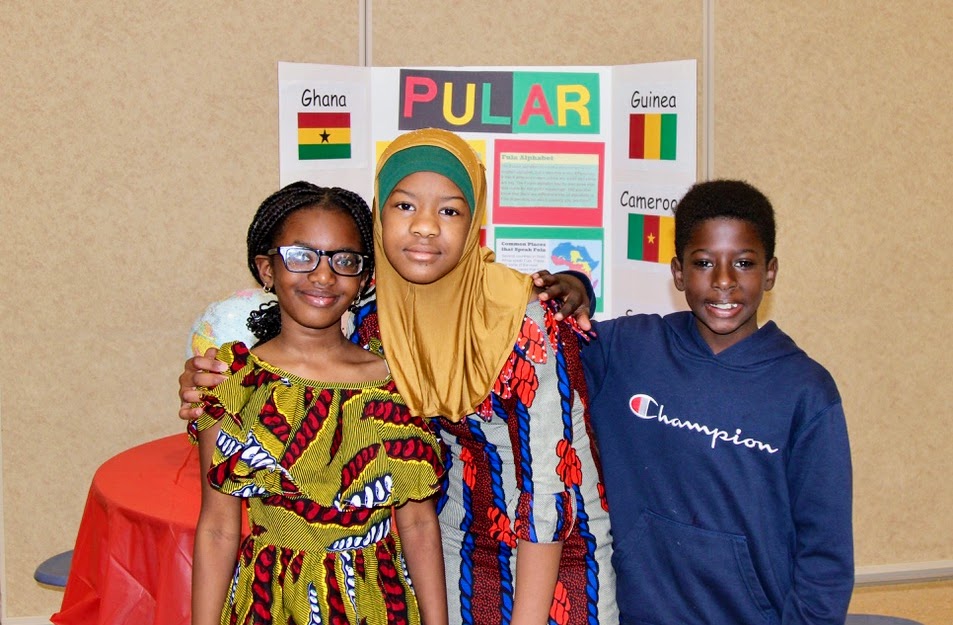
651,238
324,136
652,136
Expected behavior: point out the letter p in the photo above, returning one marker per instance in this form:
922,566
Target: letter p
412,94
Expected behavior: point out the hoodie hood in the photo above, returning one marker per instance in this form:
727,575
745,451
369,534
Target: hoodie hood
762,348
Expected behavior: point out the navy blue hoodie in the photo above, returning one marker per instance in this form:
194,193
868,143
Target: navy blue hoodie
728,476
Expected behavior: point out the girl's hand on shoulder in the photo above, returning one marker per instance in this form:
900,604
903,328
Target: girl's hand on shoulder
568,289
199,371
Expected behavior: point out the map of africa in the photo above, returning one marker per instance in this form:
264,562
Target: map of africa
575,257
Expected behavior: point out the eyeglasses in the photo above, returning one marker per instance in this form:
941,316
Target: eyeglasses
301,259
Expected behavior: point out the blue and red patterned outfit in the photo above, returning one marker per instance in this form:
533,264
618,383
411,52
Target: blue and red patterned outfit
524,467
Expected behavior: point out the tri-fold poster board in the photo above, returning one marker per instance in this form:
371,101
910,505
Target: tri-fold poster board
584,164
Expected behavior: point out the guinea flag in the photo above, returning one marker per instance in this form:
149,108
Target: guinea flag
651,238
652,136
324,136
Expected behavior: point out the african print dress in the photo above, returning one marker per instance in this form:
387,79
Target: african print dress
524,467
322,465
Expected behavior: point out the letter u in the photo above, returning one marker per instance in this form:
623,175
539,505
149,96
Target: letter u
469,104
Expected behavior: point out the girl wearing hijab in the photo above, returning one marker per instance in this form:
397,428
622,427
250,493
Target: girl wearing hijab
525,531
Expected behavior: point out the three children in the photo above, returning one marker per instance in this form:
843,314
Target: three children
724,446
310,430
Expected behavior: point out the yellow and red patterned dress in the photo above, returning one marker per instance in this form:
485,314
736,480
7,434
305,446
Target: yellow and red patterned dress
322,465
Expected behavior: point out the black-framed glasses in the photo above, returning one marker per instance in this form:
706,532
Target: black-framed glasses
302,259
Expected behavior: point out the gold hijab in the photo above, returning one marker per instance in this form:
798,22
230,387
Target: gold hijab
446,342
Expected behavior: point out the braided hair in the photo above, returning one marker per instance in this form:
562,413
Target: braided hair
265,323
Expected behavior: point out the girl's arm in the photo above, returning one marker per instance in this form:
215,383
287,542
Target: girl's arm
419,532
537,565
555,469
572,288
216,542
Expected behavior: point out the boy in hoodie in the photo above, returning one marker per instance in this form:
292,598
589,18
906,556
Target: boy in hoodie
724,446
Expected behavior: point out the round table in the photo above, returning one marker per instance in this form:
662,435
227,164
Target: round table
132,561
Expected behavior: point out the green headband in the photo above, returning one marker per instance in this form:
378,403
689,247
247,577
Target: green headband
423,158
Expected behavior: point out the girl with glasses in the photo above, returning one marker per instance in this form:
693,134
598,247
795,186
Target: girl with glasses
310,430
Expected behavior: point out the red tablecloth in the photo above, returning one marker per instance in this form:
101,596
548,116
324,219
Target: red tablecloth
132,562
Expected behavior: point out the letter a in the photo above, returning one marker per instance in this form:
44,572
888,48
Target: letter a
536,104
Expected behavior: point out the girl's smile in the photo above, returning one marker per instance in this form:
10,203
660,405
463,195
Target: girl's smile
319,298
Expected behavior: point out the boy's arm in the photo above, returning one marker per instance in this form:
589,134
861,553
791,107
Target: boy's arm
419,532
574,291
593,354
820,484
217,536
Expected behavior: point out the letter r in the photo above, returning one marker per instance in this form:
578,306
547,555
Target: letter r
577,103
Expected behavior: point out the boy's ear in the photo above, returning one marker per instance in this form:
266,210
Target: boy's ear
265,270
677,273
772,274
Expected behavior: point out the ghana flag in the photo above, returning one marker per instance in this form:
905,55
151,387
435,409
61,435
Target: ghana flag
652,136
651,238
324,136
